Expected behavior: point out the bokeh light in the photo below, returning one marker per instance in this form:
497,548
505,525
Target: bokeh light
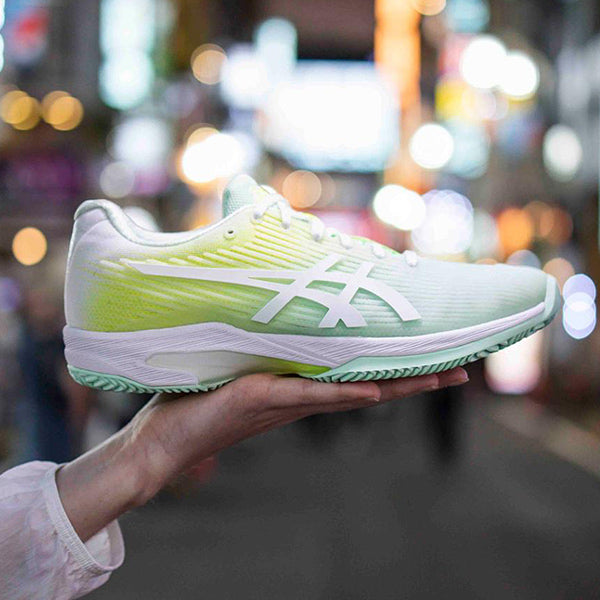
555,225
216,155
428,7
29,246
516,369
580,284
245,148
126,78
302,188
515,230
198,133
562,152
431,146
448,226
467,16
400,207
207,63
50,98
19,110
520,76
117,179
524,258
142,141
579,309
245,78
561,269
482,62
579,319
61,110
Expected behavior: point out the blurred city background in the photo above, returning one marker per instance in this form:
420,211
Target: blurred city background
463,129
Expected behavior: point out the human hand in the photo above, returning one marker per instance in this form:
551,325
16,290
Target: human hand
183,431
172,433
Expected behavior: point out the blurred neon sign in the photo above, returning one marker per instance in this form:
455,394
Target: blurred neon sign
332,115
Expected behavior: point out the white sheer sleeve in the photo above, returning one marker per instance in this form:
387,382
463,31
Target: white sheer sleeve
41,556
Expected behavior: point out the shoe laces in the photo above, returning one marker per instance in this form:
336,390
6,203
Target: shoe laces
318,229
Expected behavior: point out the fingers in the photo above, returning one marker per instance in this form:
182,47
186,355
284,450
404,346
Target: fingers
454,377
392,389
291,391
313,409
269,391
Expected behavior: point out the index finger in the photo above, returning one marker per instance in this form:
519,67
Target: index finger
392,389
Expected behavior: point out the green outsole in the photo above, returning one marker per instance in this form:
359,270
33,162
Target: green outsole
116,383
375,374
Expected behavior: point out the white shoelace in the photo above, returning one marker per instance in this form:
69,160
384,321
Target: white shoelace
318,229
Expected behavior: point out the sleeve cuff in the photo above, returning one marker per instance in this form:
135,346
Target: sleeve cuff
102,554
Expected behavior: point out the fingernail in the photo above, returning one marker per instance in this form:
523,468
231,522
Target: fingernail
458,379
371,399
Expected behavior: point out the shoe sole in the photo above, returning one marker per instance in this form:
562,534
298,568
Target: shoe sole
364,368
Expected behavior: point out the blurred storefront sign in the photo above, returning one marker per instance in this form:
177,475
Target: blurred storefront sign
25,31
127,39
337,116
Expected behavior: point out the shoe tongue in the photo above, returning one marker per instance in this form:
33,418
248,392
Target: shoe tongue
241,191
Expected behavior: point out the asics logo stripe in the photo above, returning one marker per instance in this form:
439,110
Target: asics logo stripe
339,305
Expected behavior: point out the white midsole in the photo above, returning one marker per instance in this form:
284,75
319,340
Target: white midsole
129,354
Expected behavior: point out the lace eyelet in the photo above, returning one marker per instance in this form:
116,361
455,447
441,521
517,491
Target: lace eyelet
229,234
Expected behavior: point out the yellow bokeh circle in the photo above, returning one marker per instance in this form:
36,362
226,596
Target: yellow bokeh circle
29,246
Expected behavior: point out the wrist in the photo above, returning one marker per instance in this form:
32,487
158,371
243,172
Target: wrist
155,454
101,485
142,464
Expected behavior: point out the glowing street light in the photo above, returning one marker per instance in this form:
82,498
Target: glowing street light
482,62
400,207
562,152
520,76
218,155
431,146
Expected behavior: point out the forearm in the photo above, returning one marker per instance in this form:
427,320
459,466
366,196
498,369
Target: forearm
101,485
135,463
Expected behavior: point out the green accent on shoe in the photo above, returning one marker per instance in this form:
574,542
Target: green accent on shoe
373,368
116,383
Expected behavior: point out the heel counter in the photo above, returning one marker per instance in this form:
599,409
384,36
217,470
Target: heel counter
90,228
